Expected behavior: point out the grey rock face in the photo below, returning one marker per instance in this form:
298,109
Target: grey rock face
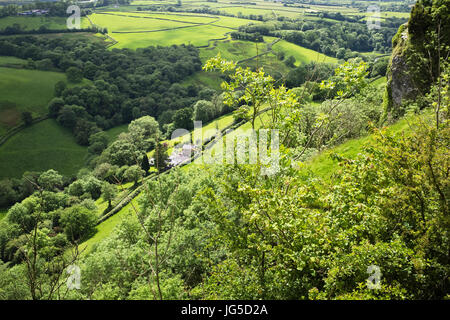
402,86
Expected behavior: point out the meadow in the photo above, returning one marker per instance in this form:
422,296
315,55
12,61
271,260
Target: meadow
234,50
140,29
136,22
270,9
34,23
39,88
195,35
113,133
11,61
136,30
42,146
302,55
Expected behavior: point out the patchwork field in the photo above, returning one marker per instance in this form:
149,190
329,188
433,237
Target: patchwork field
42,146
272,9
165,38
134,29
135,22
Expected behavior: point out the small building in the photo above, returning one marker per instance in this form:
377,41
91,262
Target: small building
182,153
36,12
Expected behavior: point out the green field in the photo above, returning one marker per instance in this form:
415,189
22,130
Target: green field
45,145
271,10
33,23
136,30
38,85
233,50
208,79
113,133
105,228
11,61
196,35
302,55
136,22
324,166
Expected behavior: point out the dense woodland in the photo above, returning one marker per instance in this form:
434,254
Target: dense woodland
131,84
237,231
334,39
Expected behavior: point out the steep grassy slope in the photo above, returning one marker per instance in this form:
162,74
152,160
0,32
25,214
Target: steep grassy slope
38,86
45,145
302,55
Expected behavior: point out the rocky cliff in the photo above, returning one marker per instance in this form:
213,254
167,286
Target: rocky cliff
417,47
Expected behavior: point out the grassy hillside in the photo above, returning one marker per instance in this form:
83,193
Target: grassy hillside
302,55
270,9
38,85
11,61
136,29
113,133
233,50
198,35
43,146
33,23
322,165
208,79
135,22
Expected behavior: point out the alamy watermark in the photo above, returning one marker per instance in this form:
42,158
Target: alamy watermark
74,20
373,282
74,279
233,147
373,17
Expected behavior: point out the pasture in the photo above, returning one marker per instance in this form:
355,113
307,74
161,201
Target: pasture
301,55
113,133
11,61
39,88
233,50
34,23
135,29
45,145
271,9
